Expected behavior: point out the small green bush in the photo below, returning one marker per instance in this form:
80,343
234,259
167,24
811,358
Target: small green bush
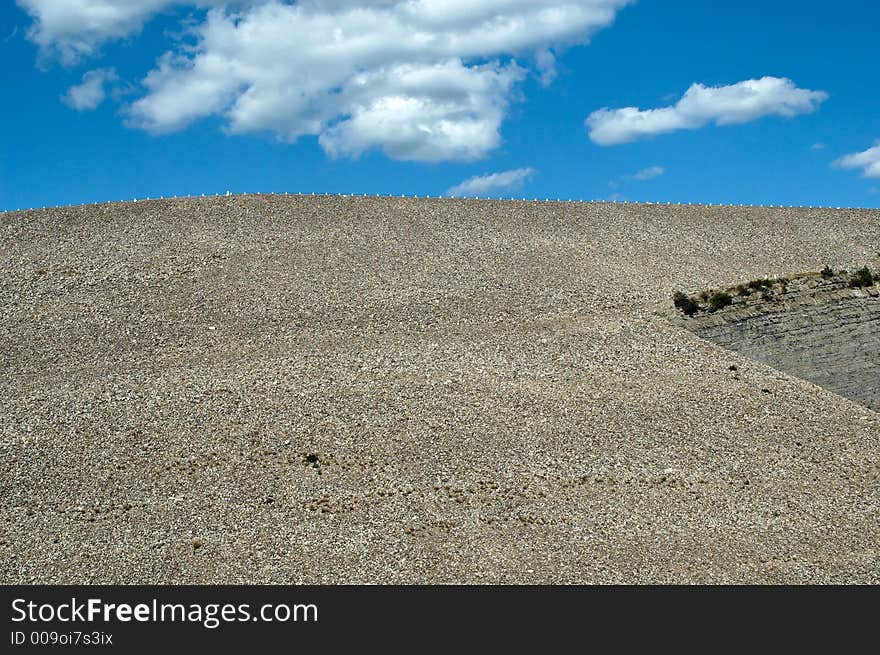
743,290
685,303
862,278
719,300
827,272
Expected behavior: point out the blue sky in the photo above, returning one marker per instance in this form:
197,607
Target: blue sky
723,102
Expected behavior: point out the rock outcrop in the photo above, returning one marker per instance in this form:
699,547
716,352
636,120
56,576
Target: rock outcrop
820,330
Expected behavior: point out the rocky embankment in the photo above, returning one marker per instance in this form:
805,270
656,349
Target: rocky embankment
824,329
272,389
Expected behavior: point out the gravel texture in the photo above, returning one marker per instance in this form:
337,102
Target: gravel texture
270,389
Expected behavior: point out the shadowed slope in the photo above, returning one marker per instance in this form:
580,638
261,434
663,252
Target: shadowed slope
827,334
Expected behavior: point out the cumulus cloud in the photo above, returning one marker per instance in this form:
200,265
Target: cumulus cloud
723,105
422,80
90,92
483,185
74,28
413,112
649,173
868,160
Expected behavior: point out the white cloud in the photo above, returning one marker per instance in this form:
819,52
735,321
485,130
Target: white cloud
484,185
74,28
641,176
868,160
723,105
90,92
649,173
422,80
424,112
546,63
817,146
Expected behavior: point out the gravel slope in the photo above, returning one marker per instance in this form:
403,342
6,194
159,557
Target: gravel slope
265,389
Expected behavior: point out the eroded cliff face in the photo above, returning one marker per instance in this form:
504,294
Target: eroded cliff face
825,333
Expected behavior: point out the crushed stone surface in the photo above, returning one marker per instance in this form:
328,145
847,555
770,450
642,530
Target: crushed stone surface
271,389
